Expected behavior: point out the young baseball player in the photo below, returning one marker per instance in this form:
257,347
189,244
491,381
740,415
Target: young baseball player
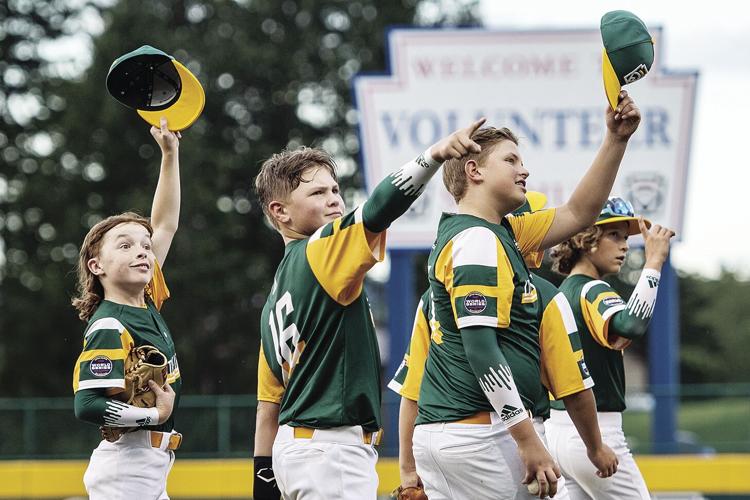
564,373
607,325
486,370
319,368
121,289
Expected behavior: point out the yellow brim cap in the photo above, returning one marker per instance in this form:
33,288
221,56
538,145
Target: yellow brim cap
611,82
633,227
186,109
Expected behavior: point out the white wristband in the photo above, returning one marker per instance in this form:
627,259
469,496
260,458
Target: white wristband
119,414
413,176
643,299
500,388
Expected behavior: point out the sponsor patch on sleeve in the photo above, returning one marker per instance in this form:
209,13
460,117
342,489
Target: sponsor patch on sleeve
475,303
100,366
612,301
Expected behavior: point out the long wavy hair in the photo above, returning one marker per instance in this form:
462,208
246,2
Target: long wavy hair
567,254
90,289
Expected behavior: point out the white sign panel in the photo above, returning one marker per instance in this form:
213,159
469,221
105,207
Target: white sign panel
544,85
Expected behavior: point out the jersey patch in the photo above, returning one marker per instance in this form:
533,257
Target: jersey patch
100,366
475,303
612,301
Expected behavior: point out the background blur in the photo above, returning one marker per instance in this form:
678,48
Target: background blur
277,74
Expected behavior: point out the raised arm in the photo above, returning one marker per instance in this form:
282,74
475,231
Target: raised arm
632,322
395,194
496,380
165,210
589,196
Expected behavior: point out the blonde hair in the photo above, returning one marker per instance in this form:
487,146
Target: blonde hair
567,254
282,173
454,175
89,288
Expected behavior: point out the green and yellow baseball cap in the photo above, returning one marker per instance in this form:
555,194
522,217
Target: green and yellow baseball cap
534,201
155,84
617,209
628,51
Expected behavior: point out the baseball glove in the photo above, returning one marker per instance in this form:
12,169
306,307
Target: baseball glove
409,493
143,363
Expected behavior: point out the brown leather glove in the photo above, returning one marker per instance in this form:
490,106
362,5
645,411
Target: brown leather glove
409,493
143,363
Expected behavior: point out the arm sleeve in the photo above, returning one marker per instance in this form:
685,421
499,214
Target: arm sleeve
531,228
564,370
408,378
269,387
493,372
341,252
478,276
101,363
632,322
93,406
599,304
395,194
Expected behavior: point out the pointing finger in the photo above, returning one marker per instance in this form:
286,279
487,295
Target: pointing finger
475,126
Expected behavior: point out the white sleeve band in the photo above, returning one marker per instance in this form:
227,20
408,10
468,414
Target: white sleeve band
501,391
119,414
413,176
643,299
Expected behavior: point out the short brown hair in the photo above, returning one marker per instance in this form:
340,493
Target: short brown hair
90,290
567,254
282,173
454,175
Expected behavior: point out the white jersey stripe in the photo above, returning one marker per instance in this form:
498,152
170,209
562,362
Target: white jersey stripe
467,321
475,246
104,383
105,324
566,313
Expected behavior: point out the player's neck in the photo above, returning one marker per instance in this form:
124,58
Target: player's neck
117,295
289,235
587,268
474,205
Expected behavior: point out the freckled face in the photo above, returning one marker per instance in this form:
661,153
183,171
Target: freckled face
126,258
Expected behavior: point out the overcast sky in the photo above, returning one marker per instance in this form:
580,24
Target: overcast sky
713,39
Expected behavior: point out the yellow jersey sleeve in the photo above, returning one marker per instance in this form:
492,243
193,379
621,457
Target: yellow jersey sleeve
419,345
477,274
599,302
341,252
563,368
269,387
531,228
157,287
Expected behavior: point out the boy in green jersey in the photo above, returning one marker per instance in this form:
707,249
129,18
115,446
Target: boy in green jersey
563,371
318,414
120,293
607,325
487,368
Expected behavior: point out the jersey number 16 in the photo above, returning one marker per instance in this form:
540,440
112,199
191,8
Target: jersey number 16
286,355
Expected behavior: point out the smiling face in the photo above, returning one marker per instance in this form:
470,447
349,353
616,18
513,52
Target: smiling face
609,253
314,203
126,259
505,176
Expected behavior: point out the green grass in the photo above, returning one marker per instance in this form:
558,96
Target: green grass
721,424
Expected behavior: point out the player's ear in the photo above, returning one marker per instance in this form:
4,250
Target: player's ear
94,267
472,171
279,212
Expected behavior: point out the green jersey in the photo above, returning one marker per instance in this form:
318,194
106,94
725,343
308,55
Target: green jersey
594,304
113,330
564,371
478,277
319,353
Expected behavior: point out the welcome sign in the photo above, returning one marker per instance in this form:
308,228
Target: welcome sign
547,87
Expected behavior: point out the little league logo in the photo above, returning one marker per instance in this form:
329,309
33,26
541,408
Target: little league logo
475,303
646,191
100,366
638,73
